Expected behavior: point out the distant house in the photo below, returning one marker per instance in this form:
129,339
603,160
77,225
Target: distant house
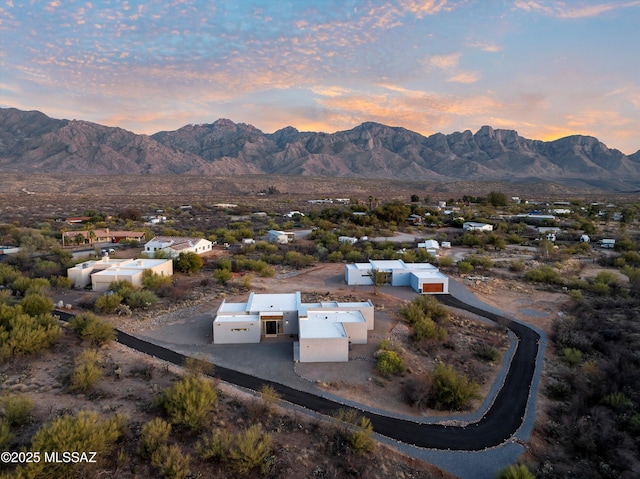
105,236
432,246
100,274
347,239
414,219
174,245
422,277
324,330
473,226
280,237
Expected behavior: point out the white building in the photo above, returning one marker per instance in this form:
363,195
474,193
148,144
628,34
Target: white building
324,329
174,245
473,226
280,237
422,277
432,246
100,274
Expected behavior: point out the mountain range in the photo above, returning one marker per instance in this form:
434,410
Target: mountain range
31,142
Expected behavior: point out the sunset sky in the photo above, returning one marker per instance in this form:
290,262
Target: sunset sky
545,68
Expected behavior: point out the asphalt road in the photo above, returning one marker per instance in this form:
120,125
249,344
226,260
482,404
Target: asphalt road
501,421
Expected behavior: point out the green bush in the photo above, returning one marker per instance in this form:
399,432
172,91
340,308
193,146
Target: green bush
16,409
154,435
189,402
544,274
6,436
216,446
97,331
152,280
515,472
107,303
486,352
21,334
389,363
170,462
464,267
188,263
35,304
451,391
571,356
222,275
249,449
84,432
361,438
87,370
142,299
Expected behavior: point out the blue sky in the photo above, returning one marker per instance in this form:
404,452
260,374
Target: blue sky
545,68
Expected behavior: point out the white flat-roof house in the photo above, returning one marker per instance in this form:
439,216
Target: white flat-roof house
280,237
324,329
432,246
473,226
174,245
101,273
422,277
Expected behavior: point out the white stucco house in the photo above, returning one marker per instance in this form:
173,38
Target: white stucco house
280,237
174,245
474,226
324,330
422,277
100,274
432,246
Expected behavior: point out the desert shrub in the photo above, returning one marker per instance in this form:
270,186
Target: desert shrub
93,329
6,436
618,401
515,472
87,370
16,409
197,366
451,391
122,287
420,314
486,352
571,356
222,275
62,282
8,274
544,274
516,265
154,435
269,396
84,432
389,363
249,449
21,334
188,263
215,446
153,280
444,261
480,261
142,299
170,462
335,256
356,429
417,389
35,304
189,402
601,289
464,267
107,303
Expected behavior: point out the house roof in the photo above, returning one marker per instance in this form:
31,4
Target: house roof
177,243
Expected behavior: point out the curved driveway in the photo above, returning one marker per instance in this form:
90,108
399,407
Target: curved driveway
500,422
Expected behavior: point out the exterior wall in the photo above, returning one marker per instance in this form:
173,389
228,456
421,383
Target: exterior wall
418,284
313,350
357,276
163,269
236,332
356,332
401,277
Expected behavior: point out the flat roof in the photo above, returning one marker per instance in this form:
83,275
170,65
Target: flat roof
273,302
387,264
428,274
317,329
233,307
247,318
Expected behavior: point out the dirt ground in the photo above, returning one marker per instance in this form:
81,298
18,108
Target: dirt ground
364,385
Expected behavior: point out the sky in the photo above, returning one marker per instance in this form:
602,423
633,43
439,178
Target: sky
545,68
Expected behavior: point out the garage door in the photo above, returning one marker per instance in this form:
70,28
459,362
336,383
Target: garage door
432,287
